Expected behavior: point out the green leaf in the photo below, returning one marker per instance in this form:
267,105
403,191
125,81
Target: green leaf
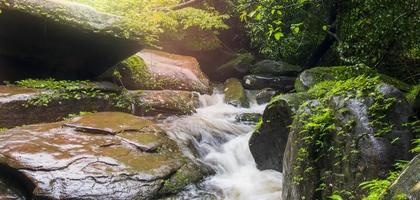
278,35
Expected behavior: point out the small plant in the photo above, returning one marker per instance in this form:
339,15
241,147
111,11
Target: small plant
377,188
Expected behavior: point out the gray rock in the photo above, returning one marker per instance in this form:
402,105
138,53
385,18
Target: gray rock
407,184
268,142
248,118
275,68
237,66
265,95
279,83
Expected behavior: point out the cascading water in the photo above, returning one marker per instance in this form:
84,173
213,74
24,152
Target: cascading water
221,142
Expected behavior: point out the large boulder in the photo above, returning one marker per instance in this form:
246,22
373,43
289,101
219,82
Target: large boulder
279,83
407,185
268,142
275,68
157,70
97,156
168,102
21,105
235,93
61,39
311,77
353,134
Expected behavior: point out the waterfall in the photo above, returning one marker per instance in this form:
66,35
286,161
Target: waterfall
222,143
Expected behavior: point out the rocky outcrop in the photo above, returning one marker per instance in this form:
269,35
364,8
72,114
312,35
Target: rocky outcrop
275,68
96,156
407,185
20,106
268,142
311,77
61,39
158,70
235,93
279,83
337,143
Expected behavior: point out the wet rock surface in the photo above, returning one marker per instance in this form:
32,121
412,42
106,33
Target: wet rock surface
268,142
61,39
265,95
96,156
238,66
153,102
279,83
157,70
248,118
407,184
235,93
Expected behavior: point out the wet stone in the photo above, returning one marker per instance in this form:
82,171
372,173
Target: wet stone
108,122
58,161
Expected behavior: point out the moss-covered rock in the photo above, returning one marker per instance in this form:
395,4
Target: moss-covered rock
61,39
268,142
311,77
237,66
275,68
407,185
111,155
36,101
235,93
157,70
351,132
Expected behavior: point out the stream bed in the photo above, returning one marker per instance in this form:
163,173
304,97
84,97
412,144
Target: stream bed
221,142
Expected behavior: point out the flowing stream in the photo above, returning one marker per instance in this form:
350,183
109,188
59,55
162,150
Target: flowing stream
221,142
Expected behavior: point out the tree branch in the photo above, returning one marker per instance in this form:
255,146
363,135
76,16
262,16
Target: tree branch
185,4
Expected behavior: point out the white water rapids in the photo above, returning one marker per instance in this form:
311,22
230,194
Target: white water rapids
222,144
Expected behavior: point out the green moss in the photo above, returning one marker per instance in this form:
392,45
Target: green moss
342,73
72,90
413,94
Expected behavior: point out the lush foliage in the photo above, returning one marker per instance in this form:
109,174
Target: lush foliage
154,18
284,29
378,187
383,34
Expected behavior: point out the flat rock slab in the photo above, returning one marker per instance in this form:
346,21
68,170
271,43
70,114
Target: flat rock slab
59,162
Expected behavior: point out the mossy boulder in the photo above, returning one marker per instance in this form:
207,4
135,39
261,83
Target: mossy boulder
407,185
36,101
311,77
158,70
97,156
275,68
237,67
61,39
235,93
268,142
352,131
